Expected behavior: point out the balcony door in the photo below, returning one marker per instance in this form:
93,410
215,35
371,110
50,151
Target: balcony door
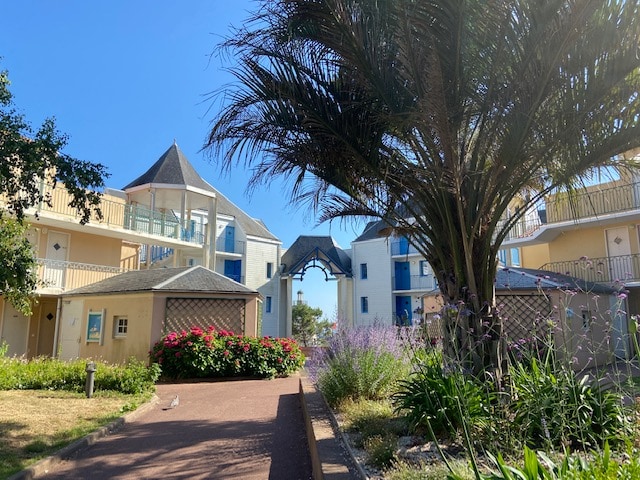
57,254
619,253
403,277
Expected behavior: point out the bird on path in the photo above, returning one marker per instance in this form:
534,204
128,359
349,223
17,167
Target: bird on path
174,403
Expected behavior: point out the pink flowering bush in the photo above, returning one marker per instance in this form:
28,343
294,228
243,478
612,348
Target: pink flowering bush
200,353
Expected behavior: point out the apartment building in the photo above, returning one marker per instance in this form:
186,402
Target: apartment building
167,217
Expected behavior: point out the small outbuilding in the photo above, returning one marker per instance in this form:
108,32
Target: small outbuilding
585,322
123,316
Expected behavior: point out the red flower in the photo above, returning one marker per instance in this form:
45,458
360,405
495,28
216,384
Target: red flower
226,353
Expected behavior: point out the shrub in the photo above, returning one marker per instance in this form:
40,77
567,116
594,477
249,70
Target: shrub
362,363
443,401
554,406
44,373
207,354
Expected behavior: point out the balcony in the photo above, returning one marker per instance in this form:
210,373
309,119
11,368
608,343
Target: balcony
596,202
59,276
118,214
224,246
403,247
624,268
414,282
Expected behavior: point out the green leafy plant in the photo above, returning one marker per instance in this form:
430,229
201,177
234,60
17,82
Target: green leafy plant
554,406
443,400
45,373
199,353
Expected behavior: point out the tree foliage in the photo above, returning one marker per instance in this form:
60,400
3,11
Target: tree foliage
306,323
433,116
30,161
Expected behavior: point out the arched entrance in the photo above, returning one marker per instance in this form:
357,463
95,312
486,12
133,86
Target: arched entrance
320,252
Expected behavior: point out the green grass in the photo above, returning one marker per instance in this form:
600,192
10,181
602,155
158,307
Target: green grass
37,423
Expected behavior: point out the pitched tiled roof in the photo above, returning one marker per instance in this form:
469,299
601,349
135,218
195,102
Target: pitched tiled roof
529,279
181,279
305,248
172,168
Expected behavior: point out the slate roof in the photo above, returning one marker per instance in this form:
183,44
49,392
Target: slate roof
250,226
306,247
172,168
512,278
181,279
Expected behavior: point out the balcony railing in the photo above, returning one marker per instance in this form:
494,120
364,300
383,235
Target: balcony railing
60,275
624,268
415,282
224,247
120,214
598,200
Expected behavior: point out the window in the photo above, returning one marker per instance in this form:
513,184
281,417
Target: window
364,304
269,270
363,271
120,326
502,257
267,305
515,257
425,271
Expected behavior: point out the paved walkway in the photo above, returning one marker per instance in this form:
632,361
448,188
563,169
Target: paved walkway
245,429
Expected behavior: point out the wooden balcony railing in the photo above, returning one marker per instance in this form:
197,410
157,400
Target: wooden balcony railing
65,276
609,270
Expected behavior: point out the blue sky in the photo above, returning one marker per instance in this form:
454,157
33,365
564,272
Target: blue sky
125,78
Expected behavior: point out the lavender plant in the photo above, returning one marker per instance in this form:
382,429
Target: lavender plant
362,363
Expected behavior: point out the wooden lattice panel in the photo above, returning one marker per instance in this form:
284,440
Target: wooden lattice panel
524,316
222,313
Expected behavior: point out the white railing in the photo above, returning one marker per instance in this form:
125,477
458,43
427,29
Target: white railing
61,275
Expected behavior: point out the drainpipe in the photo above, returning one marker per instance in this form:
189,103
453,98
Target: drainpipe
55,333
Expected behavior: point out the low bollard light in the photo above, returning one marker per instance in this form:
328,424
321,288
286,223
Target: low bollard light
91,372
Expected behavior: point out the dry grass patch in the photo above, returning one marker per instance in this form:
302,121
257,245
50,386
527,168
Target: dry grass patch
35,423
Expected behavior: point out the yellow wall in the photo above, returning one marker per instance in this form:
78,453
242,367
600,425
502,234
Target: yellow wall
138,310
589,242
145,313
86,248
130,256
534,256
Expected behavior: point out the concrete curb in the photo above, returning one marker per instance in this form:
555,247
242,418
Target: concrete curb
331,457
43,466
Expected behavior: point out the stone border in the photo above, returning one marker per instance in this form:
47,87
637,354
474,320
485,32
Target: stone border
331,457
43,466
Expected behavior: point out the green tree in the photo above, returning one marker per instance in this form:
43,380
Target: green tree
433,116
29,160
306,323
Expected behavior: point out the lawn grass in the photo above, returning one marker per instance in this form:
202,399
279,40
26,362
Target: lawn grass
36,423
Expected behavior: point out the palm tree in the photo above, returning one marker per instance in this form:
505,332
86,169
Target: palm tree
433,115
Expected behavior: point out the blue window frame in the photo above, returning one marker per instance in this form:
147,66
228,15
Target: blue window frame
267,305
363,271
269,269
364,304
